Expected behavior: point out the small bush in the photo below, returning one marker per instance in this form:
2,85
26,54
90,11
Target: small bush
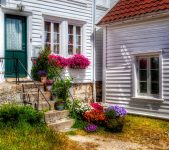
41,63
13,115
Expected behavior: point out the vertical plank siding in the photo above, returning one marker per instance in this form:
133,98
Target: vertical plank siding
122,41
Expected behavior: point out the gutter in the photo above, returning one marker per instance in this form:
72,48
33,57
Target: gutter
94,50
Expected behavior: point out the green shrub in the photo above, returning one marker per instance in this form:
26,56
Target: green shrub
53,72
41,63
13,115
61,88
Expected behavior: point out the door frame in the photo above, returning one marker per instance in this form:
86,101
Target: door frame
26,40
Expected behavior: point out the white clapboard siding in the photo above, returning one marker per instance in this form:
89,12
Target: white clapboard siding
121,42
70,9
100,12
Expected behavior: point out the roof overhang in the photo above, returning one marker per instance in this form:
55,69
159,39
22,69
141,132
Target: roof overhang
143,17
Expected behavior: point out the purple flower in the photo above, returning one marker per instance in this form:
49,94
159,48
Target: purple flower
120,111
91,128
42,73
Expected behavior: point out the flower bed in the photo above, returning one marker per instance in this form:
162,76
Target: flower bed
94,116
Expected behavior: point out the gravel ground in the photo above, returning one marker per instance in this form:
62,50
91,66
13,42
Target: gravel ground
98,143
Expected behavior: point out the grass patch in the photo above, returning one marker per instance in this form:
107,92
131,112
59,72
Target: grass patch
34,138
22,127
147,131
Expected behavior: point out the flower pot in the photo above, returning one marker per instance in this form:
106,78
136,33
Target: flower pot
77,73
48,87
59,105
43,79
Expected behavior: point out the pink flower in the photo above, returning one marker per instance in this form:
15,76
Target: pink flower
78,61
58,61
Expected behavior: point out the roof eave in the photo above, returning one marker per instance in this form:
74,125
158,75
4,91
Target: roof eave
143,17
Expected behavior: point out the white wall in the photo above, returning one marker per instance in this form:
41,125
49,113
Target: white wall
1,45
65,9
100,12
122,41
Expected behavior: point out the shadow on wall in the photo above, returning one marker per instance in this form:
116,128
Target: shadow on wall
145,104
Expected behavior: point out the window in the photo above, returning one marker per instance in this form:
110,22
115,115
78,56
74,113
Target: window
148,75
74,40
52,36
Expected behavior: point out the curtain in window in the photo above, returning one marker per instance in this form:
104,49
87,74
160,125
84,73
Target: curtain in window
14,34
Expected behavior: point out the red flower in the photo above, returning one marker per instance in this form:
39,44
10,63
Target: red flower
94,116
34,62
97,106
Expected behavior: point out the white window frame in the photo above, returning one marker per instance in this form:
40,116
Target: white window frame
52,35
64,22
135,80
74,39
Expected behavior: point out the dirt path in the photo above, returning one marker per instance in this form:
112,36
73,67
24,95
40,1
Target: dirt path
97,143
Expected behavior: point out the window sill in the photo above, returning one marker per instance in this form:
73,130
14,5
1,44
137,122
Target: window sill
148,98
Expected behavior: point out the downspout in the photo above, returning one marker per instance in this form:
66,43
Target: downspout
94,53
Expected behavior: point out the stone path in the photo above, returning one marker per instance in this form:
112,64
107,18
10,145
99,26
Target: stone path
97,143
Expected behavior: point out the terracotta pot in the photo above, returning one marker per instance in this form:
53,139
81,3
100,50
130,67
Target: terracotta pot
49,87
43,79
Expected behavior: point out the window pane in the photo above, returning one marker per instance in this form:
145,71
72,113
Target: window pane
47,37
143,87
56,38
47,26
154,75
143,75
56,49
14,34
56,27
70,29
155,63
48,46
70,39
143,63
78,40
154,88
70,49
78,30
78,49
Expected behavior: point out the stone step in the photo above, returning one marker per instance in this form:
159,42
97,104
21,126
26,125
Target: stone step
54,115
45,106
33,86
62,125
34,96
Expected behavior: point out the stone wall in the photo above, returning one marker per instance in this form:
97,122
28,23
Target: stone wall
83,91
9,93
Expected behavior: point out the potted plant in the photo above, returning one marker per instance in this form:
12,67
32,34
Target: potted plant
77,66
115,116
49,84
60,104
61,87
40,63
43,75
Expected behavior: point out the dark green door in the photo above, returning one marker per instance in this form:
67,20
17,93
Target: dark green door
15,45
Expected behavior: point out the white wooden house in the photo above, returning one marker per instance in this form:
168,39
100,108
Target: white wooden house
136,57
26,26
